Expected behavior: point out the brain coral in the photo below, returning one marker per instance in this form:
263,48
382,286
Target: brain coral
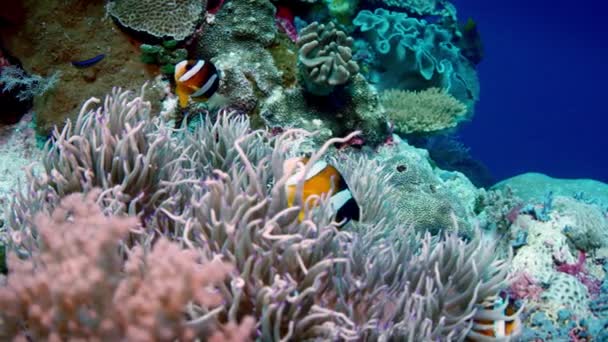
325,58
176,19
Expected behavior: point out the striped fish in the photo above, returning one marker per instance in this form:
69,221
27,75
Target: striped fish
321,179
197,80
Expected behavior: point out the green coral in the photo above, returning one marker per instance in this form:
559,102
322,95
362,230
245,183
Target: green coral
165,55
426,111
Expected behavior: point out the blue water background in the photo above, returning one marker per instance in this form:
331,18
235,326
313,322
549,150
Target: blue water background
544,91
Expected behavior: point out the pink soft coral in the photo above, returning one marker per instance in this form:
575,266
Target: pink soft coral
579,270
524,286
78,285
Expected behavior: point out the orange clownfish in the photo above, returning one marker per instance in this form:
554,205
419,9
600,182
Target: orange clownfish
197,80
321,179
498,321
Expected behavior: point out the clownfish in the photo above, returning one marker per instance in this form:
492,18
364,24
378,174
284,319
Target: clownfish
488,327
321,179
197,80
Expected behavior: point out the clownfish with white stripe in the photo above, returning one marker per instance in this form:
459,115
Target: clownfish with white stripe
497,319
321,179
195,79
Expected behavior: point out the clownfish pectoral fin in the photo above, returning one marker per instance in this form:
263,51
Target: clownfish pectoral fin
182,95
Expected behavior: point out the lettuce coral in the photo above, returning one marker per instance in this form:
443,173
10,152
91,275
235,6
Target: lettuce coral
414,54
420,7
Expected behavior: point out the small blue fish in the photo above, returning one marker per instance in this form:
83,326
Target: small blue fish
88,62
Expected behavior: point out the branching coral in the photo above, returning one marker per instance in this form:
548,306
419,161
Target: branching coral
75,286
325,58
26,87
425,111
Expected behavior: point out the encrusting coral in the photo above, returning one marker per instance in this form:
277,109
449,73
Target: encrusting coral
161,19
224,198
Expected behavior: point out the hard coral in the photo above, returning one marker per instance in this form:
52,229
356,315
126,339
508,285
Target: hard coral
238,26
353,108
325,58
161,19
426,111
301,279
237,42
421,8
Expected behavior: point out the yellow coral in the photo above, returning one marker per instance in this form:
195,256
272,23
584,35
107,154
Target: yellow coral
424,111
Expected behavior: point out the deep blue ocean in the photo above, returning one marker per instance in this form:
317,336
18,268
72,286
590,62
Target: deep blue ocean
544,92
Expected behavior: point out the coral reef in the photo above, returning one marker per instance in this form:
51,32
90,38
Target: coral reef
566,292
421,8
238,26
431,200
248,78
561,283
45,49
143,221
355,108
236,41
26,87
325,58
175,19
13,107
588,227
225,199
425,111
75,286
412,54
533,187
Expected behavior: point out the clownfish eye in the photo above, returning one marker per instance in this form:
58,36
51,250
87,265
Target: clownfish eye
401,168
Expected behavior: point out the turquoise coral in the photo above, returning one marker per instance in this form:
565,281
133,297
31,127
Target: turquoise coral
421,7
417,54
397,36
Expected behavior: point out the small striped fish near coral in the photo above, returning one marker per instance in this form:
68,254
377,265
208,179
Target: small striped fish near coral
497,319
321,178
